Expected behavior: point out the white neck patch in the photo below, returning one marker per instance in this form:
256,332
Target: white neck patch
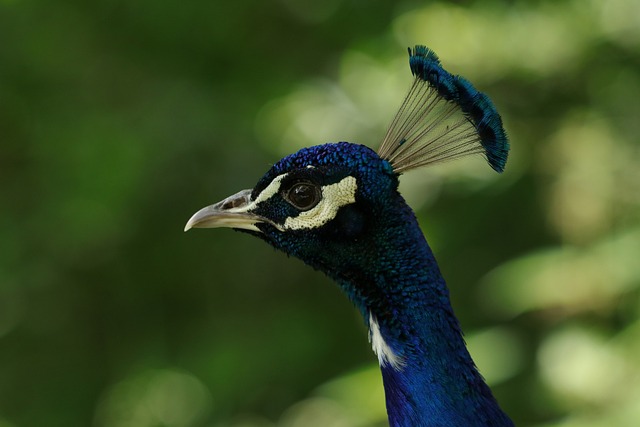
386,356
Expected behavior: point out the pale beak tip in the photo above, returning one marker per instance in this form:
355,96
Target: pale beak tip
192,222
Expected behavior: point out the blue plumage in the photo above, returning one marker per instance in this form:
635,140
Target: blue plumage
337,208
425,65
487,121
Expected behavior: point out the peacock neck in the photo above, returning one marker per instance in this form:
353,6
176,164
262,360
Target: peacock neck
428,374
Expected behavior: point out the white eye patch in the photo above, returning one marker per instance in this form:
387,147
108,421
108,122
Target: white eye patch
334,197
269,191
266,194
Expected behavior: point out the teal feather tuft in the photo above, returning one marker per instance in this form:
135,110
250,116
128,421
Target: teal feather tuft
443,117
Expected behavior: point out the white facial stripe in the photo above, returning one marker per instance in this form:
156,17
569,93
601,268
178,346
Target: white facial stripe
268,192
385,354
334,197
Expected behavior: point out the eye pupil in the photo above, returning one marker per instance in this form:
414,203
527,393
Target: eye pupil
304,196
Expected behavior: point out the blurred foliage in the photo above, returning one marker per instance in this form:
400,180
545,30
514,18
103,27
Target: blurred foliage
119,119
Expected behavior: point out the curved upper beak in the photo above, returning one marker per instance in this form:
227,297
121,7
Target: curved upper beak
232,212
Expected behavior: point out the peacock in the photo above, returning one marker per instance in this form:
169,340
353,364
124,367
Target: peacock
337,208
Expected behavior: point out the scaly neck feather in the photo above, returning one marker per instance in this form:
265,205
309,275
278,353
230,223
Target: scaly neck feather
398,284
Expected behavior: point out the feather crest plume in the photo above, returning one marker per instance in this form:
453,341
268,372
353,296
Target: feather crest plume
443,117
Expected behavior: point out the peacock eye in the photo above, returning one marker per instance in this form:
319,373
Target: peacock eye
303,195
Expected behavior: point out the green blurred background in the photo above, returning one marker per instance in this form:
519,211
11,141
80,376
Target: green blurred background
119,119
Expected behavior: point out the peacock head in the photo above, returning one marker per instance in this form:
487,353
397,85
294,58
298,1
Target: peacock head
320,204
337,207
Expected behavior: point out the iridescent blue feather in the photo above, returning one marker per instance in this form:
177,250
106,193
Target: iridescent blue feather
443,117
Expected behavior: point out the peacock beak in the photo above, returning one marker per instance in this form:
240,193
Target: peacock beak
232,212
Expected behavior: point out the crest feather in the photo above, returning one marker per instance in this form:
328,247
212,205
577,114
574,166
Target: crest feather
443,117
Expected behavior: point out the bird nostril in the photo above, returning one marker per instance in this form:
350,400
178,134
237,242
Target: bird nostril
233,203
229,204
